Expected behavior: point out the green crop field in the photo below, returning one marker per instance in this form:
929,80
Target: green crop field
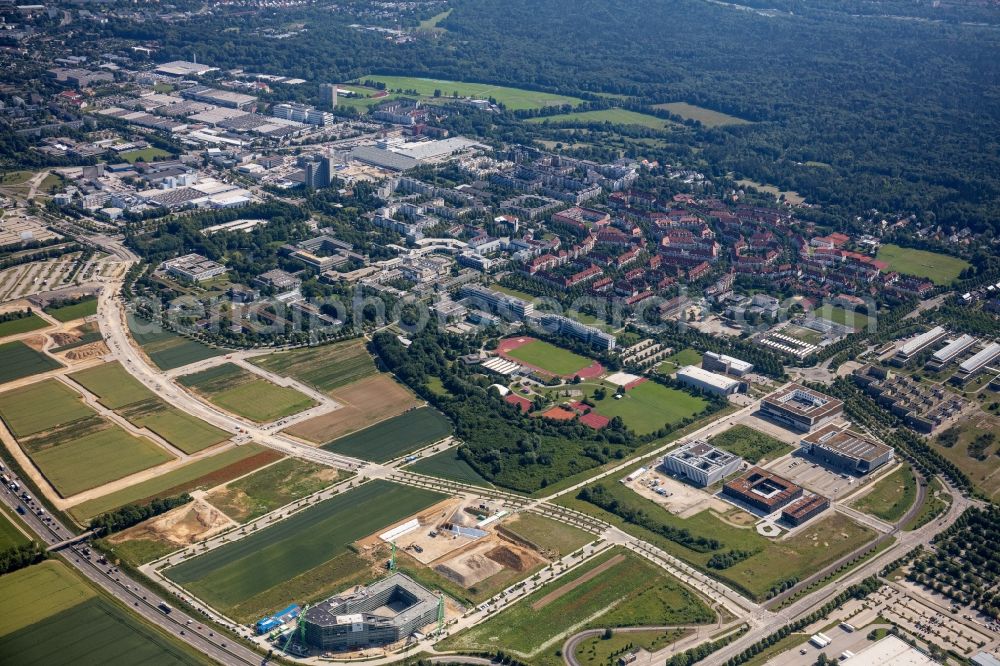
18,360
513,98
146,154
706,117
534,626
447,465
271,487
84,308
648,406
41,406
936,267
16,326
241,392
394,437
168,350
82,463
751,445
266,559
324,368
557,538
200,474
61,620
550,358
10,536
892,496
112,384
613,116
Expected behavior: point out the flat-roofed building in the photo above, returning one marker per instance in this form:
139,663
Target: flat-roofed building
183,68
728,365
701,463
801,408
498,302
762,490
692,375
846,450
193,268
891,651
980,360
914,346
805,508
951,351
233,100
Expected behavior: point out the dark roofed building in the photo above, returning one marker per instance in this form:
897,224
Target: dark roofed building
805,508
762,490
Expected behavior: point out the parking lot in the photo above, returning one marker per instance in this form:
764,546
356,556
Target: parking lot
806,472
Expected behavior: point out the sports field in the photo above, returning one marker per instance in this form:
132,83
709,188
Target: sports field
323,368
200,474
84,308
61,620
41,406
95,459
241,392
546,356
227,576
839,315
447,465
706,117
19,360
272,487
168,350
938,268
534,626
15,326
648,406
10,536
394,437
751,445
613,116
513,98
892,496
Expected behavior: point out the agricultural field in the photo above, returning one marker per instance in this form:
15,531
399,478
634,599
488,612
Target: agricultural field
112,384
448,465
323,368
892,496
24,325
513,98
246,394
548,357
364,402
679,359
18,360
819,543
166,349
394,437
554,538
61,620
272,487
648,406
706,117
198,475
10,535
534,627
41,406
936,267
70,312
146,155
613,116
751,445
231,577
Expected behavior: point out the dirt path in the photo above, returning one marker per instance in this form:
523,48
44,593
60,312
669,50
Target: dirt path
569,587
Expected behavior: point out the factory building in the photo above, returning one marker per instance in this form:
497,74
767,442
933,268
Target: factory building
762,490
801,408
727,365
709,382
912,347
193,268
845,450
701,464
804,509
386,612
227,98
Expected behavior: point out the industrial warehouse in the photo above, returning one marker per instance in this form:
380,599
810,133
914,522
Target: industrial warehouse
383,613
801,408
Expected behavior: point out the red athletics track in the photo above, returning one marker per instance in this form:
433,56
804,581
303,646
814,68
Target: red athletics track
592,371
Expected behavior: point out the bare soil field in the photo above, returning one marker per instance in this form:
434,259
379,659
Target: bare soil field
364,402
682,500
182,526
488,557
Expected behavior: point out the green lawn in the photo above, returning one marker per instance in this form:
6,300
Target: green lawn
84,308
649,406
61,620
598,651
112,385
613,116
892,496
168,350
323,368
271,487
534,622
394,437
18,360
146,155
549,535
10,536
706,117
241,392
268,558
513,98
550,358
936,267
95,459
200,474
447,465
680,359
23,325
41,406
839,315
751,445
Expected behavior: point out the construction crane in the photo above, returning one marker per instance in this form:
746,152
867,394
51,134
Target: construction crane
392,559
300,628
440,628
